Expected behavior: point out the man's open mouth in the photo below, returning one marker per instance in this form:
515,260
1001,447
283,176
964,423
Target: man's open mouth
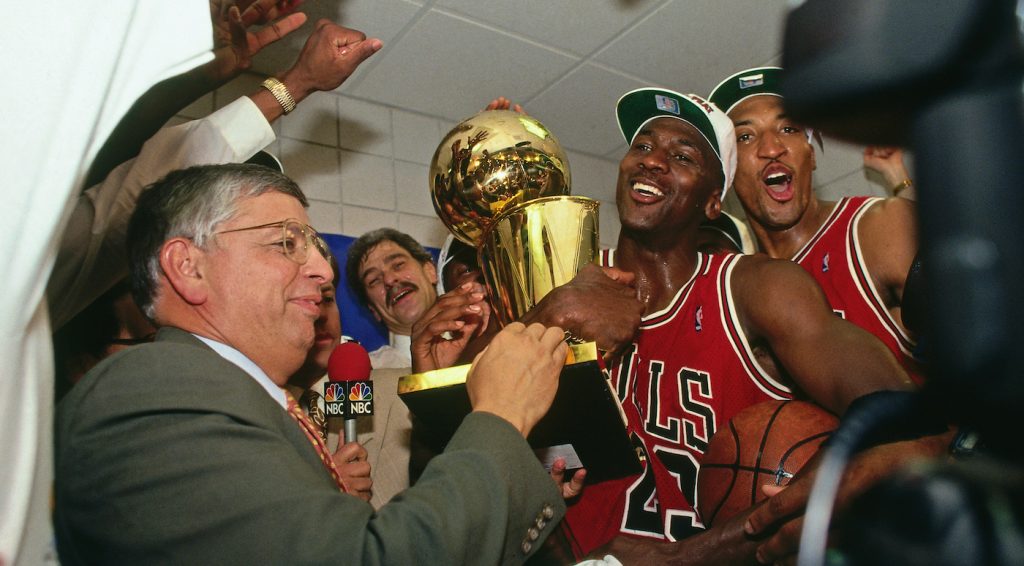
399,294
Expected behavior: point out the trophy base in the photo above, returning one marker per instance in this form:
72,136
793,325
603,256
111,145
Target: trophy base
585,424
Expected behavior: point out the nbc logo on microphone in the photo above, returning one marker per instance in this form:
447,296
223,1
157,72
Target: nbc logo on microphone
360,398
334,399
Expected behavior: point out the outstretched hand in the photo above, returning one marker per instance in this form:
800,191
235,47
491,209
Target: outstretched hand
462,314
236,42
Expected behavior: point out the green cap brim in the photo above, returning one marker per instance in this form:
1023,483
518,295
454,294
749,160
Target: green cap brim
640,106
745,84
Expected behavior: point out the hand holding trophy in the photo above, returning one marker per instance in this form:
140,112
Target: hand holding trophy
500,182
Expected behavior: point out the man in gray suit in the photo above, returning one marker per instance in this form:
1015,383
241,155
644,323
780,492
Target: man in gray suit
183,450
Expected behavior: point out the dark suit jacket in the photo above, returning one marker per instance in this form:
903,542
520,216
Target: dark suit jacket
168,453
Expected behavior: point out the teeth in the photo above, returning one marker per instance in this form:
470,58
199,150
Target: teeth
646,189
400,295
777,179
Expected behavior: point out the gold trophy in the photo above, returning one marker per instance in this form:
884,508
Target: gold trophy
500,182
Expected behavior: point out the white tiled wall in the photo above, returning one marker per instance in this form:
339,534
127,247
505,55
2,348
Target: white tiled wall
365,165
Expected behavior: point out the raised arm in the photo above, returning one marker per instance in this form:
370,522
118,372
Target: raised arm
888,242
91,254
240,31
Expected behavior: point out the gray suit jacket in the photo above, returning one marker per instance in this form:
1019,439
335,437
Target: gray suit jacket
167,453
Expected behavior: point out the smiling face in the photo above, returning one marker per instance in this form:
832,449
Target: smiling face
775,163
327,336
399,288
263,303
669,177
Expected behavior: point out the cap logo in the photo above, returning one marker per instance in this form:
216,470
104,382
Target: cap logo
750,81
702,103
666,103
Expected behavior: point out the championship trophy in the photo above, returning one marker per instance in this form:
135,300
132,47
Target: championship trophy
500,182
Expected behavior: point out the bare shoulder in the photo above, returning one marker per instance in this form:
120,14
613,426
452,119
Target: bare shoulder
890,213
888,240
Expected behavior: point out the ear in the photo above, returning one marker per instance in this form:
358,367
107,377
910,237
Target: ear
713,206
181,262
431,272
814,157
373,311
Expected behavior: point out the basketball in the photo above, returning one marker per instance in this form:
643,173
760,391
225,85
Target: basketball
763,444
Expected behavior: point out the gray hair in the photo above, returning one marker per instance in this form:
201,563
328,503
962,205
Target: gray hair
191,203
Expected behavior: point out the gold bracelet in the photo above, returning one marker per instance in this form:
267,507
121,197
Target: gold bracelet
901,186
280,93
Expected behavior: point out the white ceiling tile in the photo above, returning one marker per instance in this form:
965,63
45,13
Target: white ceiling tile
427,230
313,167
838,159
580,109
691,45
853,184
416,136
364,127
577,26
315,120
447,61
413,188
448,67
356,221
367,180
324,217
593,177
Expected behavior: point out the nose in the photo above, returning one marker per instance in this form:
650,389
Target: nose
654,160
391,276
318,267
770,146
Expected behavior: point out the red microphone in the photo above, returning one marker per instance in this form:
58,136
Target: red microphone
350,391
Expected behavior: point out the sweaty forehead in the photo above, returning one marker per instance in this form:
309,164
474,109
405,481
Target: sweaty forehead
757,106
678,132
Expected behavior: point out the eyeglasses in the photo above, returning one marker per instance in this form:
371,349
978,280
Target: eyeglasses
296,239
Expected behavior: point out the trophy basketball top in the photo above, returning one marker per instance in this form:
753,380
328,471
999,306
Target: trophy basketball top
490,162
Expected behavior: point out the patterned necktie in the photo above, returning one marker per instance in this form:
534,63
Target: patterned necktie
310,402
314,438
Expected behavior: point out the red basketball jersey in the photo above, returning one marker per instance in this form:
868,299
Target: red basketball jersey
688,371
833,257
